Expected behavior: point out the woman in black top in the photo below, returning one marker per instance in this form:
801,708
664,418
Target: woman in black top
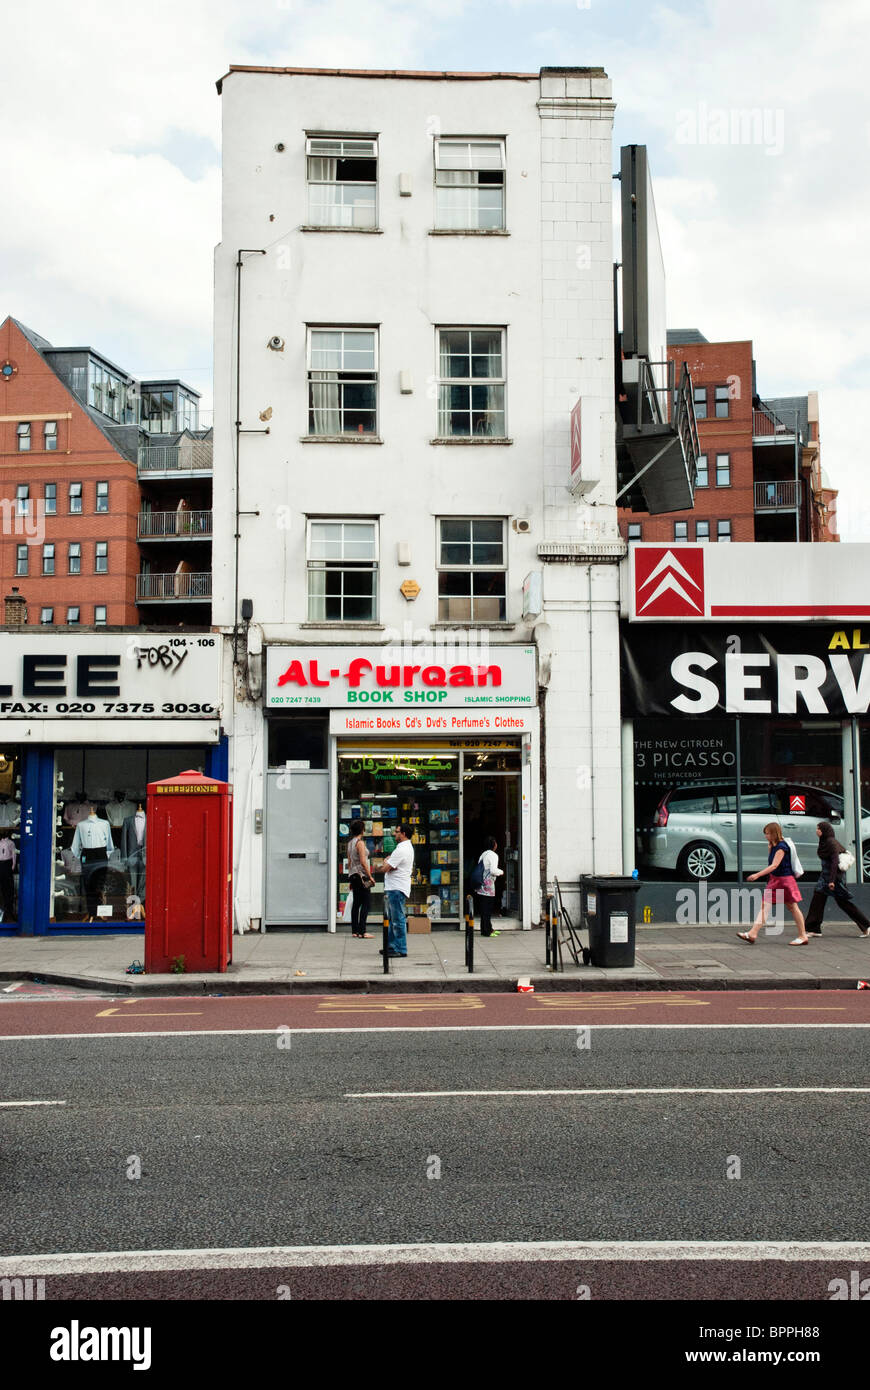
831,883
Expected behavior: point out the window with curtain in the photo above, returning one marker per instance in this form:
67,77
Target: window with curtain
342,182
342,381
469,185
471,383
342,571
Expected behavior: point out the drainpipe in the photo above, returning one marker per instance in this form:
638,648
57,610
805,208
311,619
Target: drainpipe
591,717
243,251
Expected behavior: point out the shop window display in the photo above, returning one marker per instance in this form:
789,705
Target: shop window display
421,792
10,826
101,828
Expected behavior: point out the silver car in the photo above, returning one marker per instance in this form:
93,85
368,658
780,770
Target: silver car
694,830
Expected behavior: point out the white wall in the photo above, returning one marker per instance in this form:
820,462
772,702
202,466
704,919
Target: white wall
549,282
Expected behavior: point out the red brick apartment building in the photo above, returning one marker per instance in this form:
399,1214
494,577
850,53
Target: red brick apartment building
105,490
759,472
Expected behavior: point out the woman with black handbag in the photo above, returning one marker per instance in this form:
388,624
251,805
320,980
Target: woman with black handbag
831,883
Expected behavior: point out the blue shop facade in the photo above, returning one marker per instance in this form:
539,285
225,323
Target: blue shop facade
87,720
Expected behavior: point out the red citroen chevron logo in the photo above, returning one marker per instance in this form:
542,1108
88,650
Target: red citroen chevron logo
669,583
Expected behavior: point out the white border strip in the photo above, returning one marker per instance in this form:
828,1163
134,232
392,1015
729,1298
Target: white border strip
8,1104
621,1091
489,1252
375,1027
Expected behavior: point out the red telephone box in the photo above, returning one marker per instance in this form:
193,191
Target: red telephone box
190,871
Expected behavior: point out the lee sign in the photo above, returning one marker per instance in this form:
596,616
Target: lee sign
133,676
399,677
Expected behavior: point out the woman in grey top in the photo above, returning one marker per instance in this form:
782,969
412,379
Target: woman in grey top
361,880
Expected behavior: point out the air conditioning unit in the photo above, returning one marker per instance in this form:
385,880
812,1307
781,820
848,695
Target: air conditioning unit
521,525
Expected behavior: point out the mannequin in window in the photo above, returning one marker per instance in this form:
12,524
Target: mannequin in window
118,809
10,812
8,856
133,836
77,809
92,843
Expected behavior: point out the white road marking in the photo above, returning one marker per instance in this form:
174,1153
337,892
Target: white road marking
486,1252
424,1028
621,1091
8,1104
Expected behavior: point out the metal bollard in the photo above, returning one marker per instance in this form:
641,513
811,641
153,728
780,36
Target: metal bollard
469,934
386,940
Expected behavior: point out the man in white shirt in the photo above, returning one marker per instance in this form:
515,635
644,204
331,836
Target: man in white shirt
397,889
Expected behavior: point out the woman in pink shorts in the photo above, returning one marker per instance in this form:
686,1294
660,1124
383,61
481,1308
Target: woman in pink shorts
780,879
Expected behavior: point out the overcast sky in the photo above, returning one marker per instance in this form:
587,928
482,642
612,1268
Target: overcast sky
111,164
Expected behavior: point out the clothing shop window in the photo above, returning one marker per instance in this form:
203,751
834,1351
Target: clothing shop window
48,559
21,561
22,499
635,531
723,470
342,182
46,617
702,478
72,617
74,558
101,557
702,530
471,383
342,381
75,498
723,530
472,570
102,497
100,615
469,185
342,571
681,530
50,435
24,438
699,396
50,499
101,828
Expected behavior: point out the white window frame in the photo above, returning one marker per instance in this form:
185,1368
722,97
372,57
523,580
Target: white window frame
46,621
726,467
471,569
445,383
73,621
352,215
98,609
24,437
343,378
342,564
470,218
22,499
76,511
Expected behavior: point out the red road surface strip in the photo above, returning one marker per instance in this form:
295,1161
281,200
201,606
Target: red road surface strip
194,1014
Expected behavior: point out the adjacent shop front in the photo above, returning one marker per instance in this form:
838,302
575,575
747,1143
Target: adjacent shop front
445,743
86,721
740,709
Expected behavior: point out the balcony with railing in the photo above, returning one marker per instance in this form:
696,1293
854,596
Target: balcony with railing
185,525
771,428
190,458
777,496
186,586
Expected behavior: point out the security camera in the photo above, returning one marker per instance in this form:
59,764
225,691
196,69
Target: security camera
276,344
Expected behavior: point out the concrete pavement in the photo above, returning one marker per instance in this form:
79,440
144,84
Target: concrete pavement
669,956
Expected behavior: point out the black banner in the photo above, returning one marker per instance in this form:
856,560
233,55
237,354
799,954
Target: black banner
684,671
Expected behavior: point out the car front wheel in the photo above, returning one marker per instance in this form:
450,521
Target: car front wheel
701,862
